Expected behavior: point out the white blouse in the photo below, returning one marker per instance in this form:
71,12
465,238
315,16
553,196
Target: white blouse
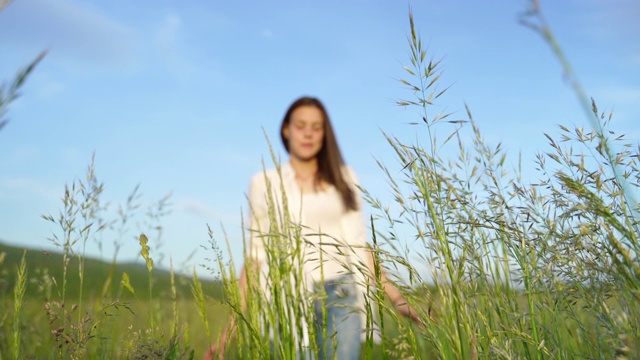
325,224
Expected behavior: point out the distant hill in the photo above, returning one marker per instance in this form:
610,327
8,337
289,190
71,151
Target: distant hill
42,265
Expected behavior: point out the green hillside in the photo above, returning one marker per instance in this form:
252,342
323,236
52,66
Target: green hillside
45,274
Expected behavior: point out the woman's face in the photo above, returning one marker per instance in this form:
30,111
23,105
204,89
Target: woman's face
305,132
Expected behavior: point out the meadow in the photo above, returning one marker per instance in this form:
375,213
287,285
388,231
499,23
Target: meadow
542,268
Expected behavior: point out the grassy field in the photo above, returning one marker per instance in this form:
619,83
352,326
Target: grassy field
115,322
545,268
43,266
116,325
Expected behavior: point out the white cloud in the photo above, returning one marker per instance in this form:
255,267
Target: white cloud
70,28
21,186
634,59
167,34
71,156
618,17
622,95
198,208
266,33
169,46
21,154
50,88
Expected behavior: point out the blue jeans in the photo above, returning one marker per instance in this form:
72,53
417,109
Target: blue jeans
339,338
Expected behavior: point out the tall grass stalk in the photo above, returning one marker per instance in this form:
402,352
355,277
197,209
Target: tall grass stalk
8,95
18,298
90,192
174,300
378,294
76,326
125,214
144,251
535,19
198,294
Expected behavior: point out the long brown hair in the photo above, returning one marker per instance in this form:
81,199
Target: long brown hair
330,161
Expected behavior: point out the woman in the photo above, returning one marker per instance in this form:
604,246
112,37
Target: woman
321,196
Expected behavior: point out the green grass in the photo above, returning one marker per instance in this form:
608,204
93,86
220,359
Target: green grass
45,265
107,323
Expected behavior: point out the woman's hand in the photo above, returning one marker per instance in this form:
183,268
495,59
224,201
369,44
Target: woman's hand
406,310
397,299
217,350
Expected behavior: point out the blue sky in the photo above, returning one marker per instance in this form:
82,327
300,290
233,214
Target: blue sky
175,96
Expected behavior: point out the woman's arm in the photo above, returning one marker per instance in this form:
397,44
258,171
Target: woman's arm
228,331
355,225
397,299
217,349
258,220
